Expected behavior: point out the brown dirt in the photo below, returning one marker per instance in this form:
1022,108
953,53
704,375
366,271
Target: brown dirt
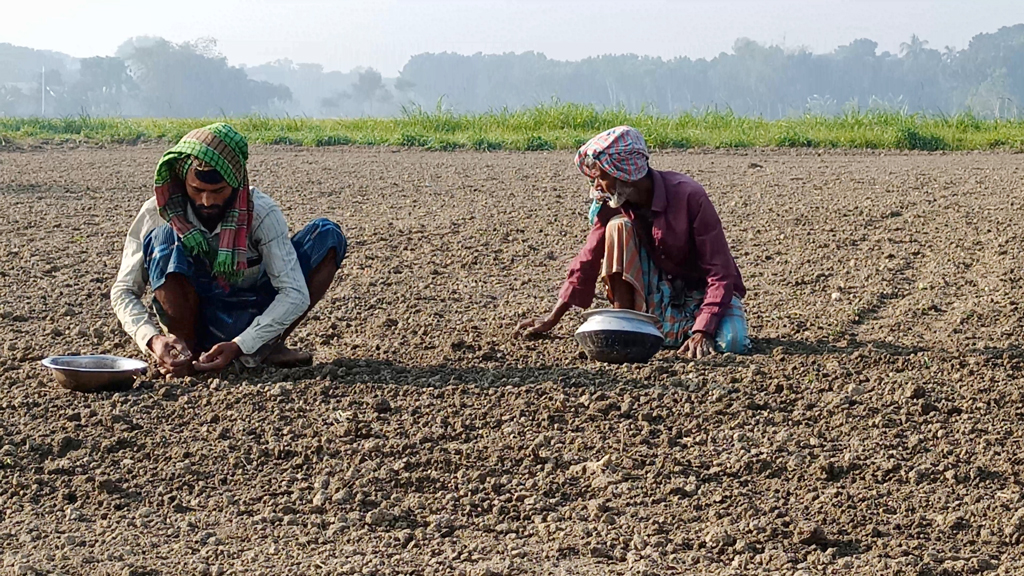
874,430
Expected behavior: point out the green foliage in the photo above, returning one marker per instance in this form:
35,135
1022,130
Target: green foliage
535,143
485,144
416,140
753,80
910,138
152,77
557,127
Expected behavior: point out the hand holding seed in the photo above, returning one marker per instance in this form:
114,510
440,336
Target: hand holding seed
172,355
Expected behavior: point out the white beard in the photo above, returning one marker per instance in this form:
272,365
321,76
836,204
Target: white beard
624,192
616,201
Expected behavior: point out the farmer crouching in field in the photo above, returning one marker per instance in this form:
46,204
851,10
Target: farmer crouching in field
227,280
657,246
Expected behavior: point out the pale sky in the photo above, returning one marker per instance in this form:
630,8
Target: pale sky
344,34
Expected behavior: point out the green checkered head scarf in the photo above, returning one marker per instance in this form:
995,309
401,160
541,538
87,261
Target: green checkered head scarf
221,147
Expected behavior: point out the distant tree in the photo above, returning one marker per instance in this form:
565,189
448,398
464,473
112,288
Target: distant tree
60,101
14,102
360,99
309,83
192,79
335,103
159,78
993,97
861,48
404,87
914,47
753,79
105,86
20,65
369,89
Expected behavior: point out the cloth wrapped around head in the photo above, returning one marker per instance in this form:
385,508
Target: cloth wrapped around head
621,152
220,147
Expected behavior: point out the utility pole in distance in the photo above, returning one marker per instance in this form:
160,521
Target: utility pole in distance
42,93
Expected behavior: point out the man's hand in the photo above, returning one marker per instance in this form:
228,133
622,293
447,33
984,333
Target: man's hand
218,357
173,357
532,326
697,346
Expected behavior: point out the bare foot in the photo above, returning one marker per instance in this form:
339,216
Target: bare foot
284,357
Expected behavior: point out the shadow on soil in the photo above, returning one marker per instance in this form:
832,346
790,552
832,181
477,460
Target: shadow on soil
368,371
492,373
844,547
770,346
822,347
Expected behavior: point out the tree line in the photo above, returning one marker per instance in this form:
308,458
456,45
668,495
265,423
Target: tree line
986,78
156,78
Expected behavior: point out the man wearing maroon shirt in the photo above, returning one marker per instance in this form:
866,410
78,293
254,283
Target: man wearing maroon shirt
657,246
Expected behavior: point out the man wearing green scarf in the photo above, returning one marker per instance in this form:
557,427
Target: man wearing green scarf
228,282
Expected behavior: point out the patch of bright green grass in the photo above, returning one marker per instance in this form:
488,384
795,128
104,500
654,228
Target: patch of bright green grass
555,127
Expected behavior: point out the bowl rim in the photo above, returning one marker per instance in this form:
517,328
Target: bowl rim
587,314
136,364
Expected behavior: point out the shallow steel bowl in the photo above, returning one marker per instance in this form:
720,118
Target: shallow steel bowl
95,373
619,336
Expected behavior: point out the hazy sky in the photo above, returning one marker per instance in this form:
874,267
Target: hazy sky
343,34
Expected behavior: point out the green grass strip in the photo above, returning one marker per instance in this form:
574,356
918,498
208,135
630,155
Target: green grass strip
555,127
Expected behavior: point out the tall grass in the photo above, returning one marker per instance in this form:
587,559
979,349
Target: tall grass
556,126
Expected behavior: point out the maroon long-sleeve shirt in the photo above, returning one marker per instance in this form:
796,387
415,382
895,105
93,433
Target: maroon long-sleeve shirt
686,241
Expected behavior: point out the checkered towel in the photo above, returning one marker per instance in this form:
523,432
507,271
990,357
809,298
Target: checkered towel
220,146
621,152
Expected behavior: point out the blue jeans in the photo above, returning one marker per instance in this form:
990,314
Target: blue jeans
226,310
733,334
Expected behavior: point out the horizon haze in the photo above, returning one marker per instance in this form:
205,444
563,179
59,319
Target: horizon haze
383,35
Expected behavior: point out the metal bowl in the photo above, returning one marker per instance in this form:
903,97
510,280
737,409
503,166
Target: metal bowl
619,336
95,373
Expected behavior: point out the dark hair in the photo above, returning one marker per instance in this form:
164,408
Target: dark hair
209,176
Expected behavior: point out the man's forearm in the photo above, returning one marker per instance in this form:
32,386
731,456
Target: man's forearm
283,311
134,317
561,307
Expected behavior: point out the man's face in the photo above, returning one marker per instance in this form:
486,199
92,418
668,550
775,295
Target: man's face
209,201
608,184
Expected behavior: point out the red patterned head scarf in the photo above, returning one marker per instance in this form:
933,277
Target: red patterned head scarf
621,152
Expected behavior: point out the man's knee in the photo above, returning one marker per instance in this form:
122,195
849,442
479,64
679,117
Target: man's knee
732,335
330,258
320,239
176,288
165,255
174,282
332,236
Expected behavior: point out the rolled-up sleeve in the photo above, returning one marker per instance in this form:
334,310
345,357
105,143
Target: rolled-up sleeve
282,267
715,260
130,283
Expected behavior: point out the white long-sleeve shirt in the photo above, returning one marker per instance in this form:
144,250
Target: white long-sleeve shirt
268,239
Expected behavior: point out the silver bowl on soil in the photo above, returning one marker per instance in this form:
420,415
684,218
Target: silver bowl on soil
619,336
95,373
